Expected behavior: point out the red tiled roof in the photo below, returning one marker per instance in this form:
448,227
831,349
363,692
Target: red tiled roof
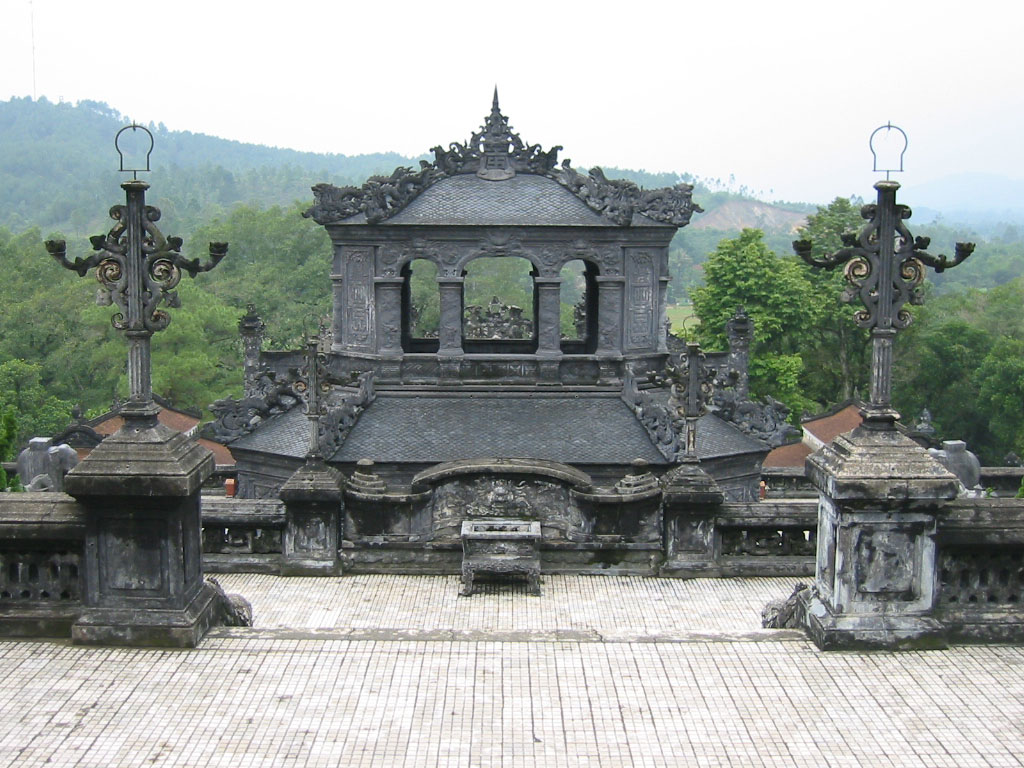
182,422
824,428
828,428
792,455
169,417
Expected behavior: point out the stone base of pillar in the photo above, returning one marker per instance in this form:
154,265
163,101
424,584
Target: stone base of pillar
608,372
548,371
450,369
168,628
878,631
38,620
312,498
691,499
879,497
390,369
142,561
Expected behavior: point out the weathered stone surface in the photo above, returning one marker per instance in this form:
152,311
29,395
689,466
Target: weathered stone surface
313,514
875,585
43,465
160,627
879,466
150,461
500,546
786,614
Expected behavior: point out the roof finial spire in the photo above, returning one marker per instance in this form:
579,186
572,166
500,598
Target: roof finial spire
495,109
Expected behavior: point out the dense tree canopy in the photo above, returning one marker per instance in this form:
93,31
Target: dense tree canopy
778,295
838,354
963,360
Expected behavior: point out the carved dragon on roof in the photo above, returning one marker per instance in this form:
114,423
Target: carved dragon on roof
495,153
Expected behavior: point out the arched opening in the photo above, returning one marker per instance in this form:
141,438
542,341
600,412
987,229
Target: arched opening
578,308
421,306
500,306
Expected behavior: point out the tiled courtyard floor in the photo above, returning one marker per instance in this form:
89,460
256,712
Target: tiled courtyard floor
599,671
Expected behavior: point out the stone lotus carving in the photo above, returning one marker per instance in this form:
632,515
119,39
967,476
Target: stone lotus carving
495,152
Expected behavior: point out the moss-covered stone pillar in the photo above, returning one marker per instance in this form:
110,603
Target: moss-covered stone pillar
875,580
143,556
313,502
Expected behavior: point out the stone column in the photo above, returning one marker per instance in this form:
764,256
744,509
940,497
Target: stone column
313,514
143,556
740,330
450,328
338,302
549,339
251,329
609,315
662,327
875,583
609,327
548,320
389,324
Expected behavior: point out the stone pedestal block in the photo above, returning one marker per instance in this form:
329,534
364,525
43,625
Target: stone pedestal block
312,500
875,580
692,499
143,556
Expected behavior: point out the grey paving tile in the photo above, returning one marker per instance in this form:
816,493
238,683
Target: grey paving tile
262,698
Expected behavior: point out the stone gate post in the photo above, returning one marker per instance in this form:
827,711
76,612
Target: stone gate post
875,579
143,555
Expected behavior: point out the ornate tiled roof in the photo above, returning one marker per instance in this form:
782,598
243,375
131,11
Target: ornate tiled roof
432,428
493,164
522,200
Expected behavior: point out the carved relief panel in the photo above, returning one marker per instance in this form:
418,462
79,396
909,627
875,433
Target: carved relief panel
497,497
641,300
389,313
359,304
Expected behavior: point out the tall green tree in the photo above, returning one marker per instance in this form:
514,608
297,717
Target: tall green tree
37,412
963,359
776,292
838,353
278,261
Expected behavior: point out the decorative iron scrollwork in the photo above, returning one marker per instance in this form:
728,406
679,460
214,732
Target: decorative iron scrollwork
162,264
885,268
863,256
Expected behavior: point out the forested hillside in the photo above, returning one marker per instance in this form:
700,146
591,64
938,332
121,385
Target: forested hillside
58,177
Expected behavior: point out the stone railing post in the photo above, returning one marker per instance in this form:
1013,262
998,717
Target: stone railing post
143,553
313,510
879,494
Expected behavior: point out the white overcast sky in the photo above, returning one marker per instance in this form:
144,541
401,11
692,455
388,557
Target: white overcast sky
783,95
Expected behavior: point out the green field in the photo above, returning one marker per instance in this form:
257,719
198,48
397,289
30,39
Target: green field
679,314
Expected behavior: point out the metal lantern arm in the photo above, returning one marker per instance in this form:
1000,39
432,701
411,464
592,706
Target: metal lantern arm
941,262
58,249
217,252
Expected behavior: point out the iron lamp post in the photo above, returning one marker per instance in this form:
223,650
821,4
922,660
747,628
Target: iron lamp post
885,266
138,269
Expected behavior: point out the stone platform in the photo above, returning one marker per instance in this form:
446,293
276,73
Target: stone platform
598,671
